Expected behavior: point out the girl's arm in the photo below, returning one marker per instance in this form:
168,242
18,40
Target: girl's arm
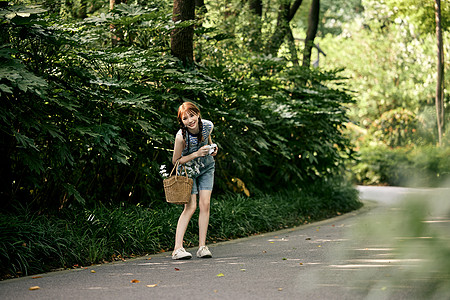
178,149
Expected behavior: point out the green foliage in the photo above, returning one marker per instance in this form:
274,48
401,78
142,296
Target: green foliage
390,63
91,121
90,109
335,15
423,166
395,127
31,243
421,13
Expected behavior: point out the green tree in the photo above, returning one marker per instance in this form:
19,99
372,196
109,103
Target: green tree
390,64
427,16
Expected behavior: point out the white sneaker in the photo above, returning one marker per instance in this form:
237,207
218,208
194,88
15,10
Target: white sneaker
203,252
180,253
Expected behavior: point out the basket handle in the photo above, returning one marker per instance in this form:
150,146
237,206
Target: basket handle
175,167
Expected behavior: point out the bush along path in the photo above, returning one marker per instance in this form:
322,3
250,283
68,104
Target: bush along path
346,257
31,243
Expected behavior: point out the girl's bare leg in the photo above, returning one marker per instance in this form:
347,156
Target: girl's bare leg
183,221
203,218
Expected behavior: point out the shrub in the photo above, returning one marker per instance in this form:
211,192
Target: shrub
421,166
32,243
86,120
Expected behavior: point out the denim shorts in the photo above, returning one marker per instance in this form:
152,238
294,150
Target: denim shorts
205,180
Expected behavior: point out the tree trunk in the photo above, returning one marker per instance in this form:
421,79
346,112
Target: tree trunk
440,73
254,32
294,9
313,23
182,43
292,47
280,31
200,4
113,3
256,7
285,14
82,10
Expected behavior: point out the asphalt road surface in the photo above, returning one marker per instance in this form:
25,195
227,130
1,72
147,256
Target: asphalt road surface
322,260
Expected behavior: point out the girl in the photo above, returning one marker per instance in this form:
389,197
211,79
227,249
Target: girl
191,148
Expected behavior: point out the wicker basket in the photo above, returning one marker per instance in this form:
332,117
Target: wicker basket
178,188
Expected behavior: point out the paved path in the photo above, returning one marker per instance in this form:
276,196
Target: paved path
307,262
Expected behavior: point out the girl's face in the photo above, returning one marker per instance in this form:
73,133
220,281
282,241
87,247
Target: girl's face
190,120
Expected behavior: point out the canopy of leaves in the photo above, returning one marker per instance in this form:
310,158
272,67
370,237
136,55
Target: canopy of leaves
421,13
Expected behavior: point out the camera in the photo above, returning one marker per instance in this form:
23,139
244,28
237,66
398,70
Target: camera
212,148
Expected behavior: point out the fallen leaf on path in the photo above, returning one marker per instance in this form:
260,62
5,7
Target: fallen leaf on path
272,242
92,271
301,264
135,281
149,258
243,270
264,251
284,258
33,288
220,275
215,291
152,285
280,289
176,269
319,246
36,277
308,239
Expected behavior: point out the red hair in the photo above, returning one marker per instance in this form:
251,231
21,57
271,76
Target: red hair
187,107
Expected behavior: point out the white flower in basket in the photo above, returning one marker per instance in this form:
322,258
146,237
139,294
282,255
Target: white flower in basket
163,172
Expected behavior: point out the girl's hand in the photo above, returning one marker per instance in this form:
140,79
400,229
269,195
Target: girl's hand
215,151
203,151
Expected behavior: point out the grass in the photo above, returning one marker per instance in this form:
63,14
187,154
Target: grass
32,243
